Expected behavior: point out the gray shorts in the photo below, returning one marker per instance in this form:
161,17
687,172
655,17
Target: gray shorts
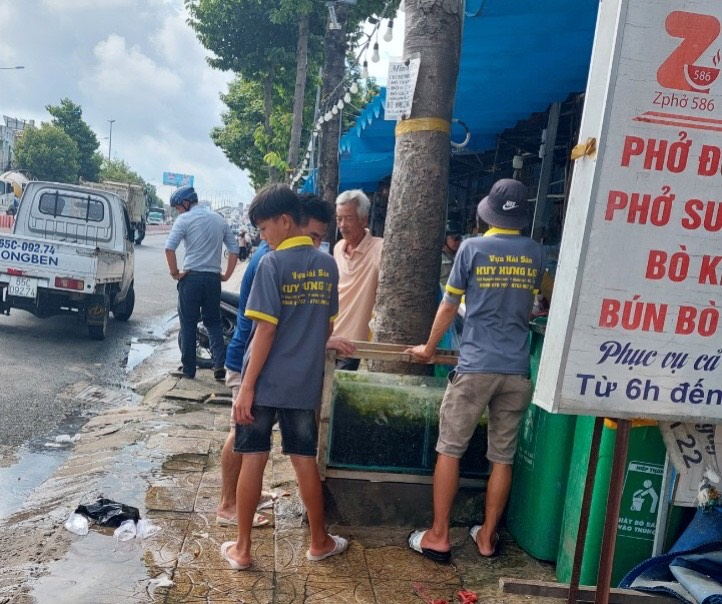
466,398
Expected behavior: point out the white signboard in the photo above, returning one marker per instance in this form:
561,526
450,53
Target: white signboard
635,327
400,88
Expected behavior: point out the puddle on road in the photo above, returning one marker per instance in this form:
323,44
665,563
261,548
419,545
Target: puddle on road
32,469
139,352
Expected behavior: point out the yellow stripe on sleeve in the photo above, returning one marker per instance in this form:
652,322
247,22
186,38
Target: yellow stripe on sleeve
261,316
332,319
453,290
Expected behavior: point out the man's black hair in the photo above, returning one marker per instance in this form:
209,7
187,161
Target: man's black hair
312,206
273,201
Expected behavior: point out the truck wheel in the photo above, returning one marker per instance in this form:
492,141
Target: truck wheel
97,331
123,310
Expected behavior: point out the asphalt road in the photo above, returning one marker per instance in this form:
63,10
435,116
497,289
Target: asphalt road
52,374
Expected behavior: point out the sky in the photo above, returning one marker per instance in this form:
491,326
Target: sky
133,61
136,62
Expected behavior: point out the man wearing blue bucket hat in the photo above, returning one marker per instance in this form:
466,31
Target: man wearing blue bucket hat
498,274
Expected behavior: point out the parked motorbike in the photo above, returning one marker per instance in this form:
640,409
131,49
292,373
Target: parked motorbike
229,316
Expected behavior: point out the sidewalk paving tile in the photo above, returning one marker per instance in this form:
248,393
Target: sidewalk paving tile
170,499
391,591
204,551
395,562
299,588
290,556
221,587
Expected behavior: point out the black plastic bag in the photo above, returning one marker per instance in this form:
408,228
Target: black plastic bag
107,512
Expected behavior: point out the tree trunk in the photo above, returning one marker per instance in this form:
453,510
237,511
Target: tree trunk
300,90
334,64
408,289
267,112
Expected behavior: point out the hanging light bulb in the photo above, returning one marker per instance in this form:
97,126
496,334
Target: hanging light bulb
347,97
375,54
328,117
334,111
389,35
340,104
365,69
354,88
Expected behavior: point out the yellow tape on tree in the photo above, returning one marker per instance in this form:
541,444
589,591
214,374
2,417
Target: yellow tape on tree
423,124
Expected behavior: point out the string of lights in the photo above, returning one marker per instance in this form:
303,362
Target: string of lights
337,99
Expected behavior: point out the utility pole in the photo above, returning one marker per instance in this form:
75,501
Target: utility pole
110,139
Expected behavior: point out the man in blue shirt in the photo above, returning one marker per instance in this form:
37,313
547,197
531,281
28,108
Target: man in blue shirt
204,232
315,216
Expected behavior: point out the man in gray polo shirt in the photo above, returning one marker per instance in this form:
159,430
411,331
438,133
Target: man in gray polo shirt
293,303
498,274
204,232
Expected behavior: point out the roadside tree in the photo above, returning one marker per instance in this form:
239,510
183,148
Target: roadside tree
48,153
69,117
409,279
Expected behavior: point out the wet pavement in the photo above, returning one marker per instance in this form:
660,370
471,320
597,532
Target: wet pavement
163,456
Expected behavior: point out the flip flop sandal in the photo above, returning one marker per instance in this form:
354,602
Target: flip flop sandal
258,520
414,541
340,546
474,531
233,564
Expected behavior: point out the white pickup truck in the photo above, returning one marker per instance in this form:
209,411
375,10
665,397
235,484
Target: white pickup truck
70,252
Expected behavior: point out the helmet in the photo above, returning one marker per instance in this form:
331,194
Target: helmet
181,194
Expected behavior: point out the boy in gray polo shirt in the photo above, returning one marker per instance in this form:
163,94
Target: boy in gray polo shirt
498,274
293,303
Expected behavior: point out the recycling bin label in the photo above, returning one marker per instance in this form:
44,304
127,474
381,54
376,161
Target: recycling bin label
640,501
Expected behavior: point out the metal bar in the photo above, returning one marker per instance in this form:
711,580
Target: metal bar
324,419
543,589
332,472
395,352
665,502
616,486
584,514
547,168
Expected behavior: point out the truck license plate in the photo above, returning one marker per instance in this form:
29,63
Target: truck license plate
23,287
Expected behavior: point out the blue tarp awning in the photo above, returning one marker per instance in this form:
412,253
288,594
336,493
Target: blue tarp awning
516,58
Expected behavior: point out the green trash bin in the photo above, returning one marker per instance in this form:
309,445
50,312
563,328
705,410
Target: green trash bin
541,469
641,497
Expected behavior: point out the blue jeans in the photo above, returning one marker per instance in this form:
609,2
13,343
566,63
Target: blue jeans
199,297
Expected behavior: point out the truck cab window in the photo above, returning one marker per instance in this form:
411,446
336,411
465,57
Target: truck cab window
66,206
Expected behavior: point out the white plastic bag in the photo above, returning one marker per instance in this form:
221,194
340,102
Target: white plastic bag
77,524
126,531
146,528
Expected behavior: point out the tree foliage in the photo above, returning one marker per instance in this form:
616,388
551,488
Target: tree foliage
257,40
69,117
48,153
118,170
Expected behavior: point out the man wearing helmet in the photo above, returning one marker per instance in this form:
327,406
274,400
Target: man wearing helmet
203,233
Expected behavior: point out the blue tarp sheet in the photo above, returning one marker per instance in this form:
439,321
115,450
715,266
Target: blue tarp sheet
516,58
